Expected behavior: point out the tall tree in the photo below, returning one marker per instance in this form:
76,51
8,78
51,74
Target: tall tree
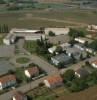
69,75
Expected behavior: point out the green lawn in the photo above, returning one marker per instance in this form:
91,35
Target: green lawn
43,93
22,60
1,41
30,46
2,35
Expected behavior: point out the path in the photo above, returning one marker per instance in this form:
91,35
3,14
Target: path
57,20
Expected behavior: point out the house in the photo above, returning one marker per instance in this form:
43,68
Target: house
73,50
83,48
92,28
53,81
61,58
7,81
57,31
79,46
94,63
63,45
27,34
19,96
81,72
52,49
32,72
90,50
83,40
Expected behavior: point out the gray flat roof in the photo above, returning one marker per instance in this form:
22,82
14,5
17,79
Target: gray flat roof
73,50
5,66
7,51
61,57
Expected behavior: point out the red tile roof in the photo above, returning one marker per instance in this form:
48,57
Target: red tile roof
54,79
19,95
7,78
95,62
33,70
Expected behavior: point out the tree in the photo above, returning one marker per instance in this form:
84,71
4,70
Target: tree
78,85
61,65
88,55
14,7
87,63
72,42
39,43
81,34
86,44
73,58
42,41
2,2
93,45
20,75
69,75
51,33
81,56
42,29
64,51
41,84
59,49
75,33
6,29
0,29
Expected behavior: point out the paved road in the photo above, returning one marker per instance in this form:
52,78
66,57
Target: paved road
44,65
51,70
24,88
78,65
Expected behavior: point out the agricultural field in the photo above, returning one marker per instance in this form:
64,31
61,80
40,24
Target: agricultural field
43,93
88,94
39,18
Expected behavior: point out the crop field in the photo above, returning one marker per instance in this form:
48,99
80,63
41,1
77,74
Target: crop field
39,18
42,93
89,94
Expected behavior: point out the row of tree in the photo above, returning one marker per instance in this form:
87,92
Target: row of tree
2,2
42,47
4,28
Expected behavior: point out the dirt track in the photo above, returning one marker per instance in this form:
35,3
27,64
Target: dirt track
55,20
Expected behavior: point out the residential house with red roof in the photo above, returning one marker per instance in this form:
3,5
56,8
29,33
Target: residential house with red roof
19,96
94,63
7,81
53,81
32,72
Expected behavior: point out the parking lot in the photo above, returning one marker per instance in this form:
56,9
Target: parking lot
5,66
60,38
